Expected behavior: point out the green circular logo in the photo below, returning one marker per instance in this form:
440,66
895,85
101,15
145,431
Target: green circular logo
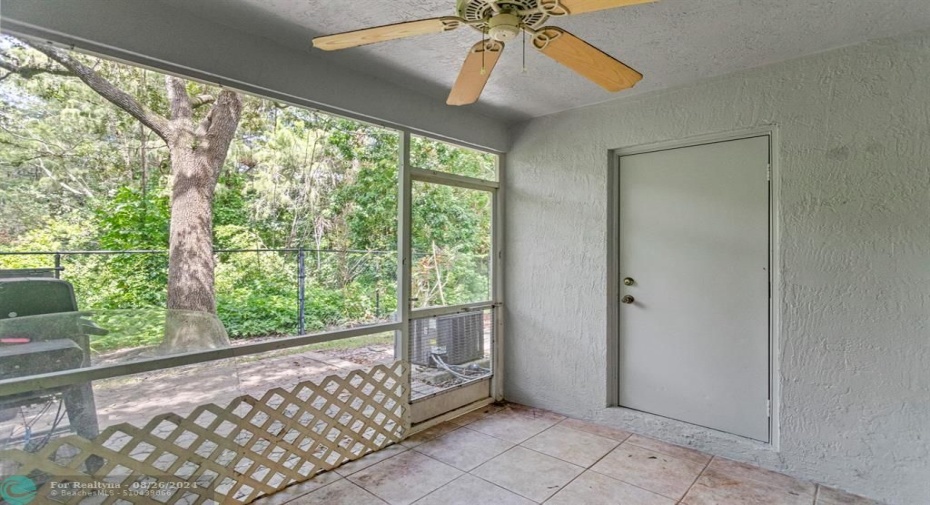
17,490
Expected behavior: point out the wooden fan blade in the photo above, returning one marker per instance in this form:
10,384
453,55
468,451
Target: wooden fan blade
387,32
582,6
585,59
481,60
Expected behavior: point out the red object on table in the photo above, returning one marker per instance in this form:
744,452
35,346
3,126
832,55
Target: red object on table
14,340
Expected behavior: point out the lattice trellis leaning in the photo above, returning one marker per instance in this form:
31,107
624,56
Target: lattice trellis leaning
233,454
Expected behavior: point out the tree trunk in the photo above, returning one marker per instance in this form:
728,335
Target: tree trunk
198,150
197,156
190,261
190,254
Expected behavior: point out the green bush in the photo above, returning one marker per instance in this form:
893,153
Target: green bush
249,313
128,328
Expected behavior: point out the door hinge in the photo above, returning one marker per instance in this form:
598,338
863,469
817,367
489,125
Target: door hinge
768,407
768,172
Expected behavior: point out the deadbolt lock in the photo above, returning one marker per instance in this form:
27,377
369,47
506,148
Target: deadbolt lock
628,281
627,299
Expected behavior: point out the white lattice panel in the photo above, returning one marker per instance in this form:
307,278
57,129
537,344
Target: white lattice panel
233,454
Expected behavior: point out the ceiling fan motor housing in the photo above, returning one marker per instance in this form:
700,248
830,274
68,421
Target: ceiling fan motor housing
481,15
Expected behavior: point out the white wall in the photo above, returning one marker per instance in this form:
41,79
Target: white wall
855,247
147,32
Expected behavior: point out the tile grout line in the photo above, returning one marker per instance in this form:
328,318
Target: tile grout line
317,489
457,427
764,483
369,492
634,444
514,446
471,430
585,469
569,482
625,440
677,500
432,459
416,447
508,441
520,444
493,484
373,464
619,442
440,487
549,456
681,500
557,423
340,477
637,486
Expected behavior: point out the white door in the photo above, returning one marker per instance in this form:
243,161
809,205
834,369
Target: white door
694,266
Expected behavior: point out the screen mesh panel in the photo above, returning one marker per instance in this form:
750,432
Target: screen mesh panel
449,351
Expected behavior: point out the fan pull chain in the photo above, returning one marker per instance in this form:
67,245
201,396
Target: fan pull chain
524,51
484,50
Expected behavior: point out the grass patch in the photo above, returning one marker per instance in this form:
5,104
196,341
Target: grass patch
146,328
335,345
354,342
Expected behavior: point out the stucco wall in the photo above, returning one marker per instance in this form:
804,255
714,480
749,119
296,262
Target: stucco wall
854,346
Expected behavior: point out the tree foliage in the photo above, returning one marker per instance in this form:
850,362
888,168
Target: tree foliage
78,173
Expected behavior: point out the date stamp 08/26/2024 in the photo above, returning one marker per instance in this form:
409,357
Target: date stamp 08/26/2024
21,490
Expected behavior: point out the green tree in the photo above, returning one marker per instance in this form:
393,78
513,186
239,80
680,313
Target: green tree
197,143
77,172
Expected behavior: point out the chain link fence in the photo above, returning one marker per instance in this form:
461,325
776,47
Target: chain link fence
259,292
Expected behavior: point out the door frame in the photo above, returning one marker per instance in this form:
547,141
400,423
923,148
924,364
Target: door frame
775,262
407,174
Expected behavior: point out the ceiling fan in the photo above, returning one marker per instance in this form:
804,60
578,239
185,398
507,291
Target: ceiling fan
501,21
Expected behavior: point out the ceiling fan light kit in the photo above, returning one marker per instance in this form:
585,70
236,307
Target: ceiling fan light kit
504,26
502,21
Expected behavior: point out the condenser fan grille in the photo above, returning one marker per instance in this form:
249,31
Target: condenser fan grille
479,11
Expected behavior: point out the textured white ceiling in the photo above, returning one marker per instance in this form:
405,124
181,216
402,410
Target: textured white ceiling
672,42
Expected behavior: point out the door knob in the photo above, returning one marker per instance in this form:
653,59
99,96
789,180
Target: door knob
627,299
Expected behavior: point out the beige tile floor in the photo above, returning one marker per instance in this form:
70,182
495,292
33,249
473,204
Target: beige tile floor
514,455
